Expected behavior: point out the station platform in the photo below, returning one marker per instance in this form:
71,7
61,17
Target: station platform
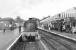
63,34
6,38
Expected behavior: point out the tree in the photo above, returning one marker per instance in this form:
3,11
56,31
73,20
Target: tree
19,20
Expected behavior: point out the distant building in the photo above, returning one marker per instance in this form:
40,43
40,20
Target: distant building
69,13
6,22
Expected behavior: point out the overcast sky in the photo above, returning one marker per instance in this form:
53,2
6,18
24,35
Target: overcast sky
34,8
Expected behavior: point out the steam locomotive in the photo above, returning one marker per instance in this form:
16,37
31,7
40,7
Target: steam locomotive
30,30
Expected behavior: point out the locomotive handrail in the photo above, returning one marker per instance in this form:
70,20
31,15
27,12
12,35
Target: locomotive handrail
73,39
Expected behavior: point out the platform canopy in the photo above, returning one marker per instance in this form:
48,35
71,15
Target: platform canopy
47,20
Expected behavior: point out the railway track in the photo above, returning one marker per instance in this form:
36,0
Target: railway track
19,45
53,42
57,43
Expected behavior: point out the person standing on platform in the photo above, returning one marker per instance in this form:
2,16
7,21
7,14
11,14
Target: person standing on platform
19,29
3,30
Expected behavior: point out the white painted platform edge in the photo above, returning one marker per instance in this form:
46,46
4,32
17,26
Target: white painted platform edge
59,34
14,42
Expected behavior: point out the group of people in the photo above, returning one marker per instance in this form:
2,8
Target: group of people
62,27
